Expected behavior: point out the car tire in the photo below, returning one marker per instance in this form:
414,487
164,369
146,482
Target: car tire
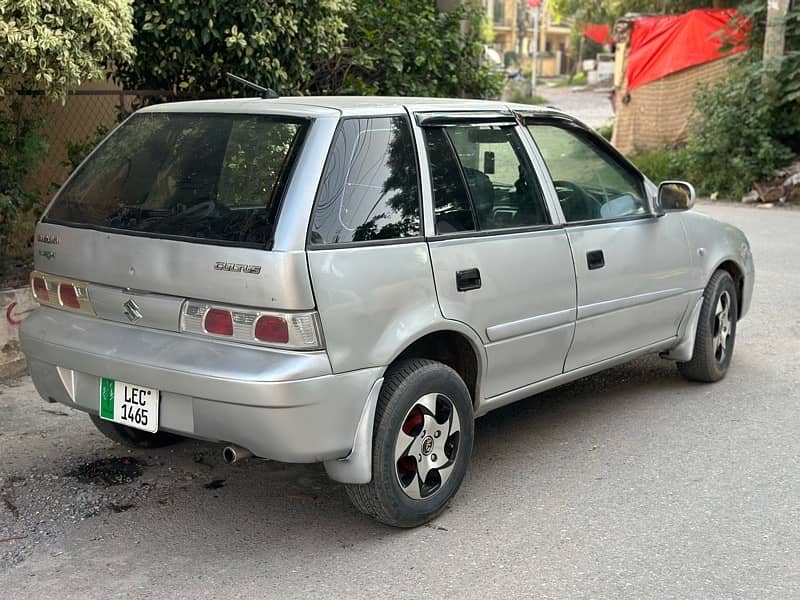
134,438
422,442
716,331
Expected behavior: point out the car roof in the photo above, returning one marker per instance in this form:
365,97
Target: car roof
336,106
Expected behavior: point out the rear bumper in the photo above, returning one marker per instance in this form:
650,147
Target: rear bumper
281,405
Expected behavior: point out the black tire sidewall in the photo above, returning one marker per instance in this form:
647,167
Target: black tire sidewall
432,377
724,283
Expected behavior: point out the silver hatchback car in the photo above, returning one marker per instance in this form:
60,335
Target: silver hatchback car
353,280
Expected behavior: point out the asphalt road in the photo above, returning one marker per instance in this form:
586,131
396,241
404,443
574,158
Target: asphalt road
628,484
593,107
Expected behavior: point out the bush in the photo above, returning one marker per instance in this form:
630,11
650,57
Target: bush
516,93
407,48
187,47
21,149
578,79
660,165
606,130
49,47
54,45
397,47
749,123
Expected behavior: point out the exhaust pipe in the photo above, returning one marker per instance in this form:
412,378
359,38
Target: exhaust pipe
233,454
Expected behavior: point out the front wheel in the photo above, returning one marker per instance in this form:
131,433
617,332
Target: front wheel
716,331
422,444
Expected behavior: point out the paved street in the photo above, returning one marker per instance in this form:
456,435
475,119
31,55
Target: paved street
629,484
592,107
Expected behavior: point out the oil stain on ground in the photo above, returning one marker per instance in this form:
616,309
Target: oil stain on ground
108,471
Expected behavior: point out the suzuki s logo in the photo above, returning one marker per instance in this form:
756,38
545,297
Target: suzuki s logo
132,311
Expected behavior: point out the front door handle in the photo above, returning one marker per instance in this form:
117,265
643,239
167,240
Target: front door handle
595,259
469,279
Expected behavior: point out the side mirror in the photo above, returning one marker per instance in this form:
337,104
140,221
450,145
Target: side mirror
676,195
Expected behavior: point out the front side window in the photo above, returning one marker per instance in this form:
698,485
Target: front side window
210,177
370,187
502,186
590,183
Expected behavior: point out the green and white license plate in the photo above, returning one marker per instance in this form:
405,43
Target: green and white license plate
128,404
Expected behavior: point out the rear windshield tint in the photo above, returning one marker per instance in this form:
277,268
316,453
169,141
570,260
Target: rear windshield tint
215,178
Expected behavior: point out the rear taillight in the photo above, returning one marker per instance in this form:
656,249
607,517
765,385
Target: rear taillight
272,329
40,290
290,330
68,296
60,292
218,322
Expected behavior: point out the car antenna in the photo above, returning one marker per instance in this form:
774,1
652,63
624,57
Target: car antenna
266,93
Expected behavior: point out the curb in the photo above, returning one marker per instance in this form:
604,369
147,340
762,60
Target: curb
15,306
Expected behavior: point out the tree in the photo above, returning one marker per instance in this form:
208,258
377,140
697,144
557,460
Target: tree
54,45
748,124
50,47
188,46
608,11
407,47
775,34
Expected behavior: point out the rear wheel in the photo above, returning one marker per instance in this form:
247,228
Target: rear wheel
134,438
716,331
422,443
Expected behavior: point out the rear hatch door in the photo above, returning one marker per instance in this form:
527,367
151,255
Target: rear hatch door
180,205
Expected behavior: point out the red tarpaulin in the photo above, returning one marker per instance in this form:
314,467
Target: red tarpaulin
600,34
663,45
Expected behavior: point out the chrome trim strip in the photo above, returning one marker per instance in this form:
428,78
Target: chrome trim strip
529,325
587,311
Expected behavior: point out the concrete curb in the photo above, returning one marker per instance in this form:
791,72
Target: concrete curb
15,305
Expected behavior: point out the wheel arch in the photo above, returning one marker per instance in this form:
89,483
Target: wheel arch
454,347
737,273
453,344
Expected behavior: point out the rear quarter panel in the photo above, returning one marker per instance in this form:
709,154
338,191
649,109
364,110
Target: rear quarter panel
374,301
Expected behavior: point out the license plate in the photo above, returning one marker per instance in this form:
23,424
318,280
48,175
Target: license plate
128,404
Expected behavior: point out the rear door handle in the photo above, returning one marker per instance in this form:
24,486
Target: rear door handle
595,259
469,279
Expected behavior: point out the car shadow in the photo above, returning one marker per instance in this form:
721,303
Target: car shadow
201,500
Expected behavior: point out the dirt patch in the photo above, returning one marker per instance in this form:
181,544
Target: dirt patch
108,471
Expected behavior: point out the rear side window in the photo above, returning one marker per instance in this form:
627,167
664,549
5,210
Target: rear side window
480,176
214,177
370,187
451,203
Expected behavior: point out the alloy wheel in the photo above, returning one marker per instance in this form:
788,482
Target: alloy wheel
722,326
427,446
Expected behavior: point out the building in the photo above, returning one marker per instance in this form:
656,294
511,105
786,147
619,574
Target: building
661,60
509,17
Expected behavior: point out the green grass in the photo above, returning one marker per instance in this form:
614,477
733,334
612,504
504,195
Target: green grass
579,79
606,130
522,98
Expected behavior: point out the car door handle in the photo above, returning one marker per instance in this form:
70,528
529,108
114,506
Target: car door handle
595,259
469,279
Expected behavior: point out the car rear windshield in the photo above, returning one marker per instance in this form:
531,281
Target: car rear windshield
214,178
